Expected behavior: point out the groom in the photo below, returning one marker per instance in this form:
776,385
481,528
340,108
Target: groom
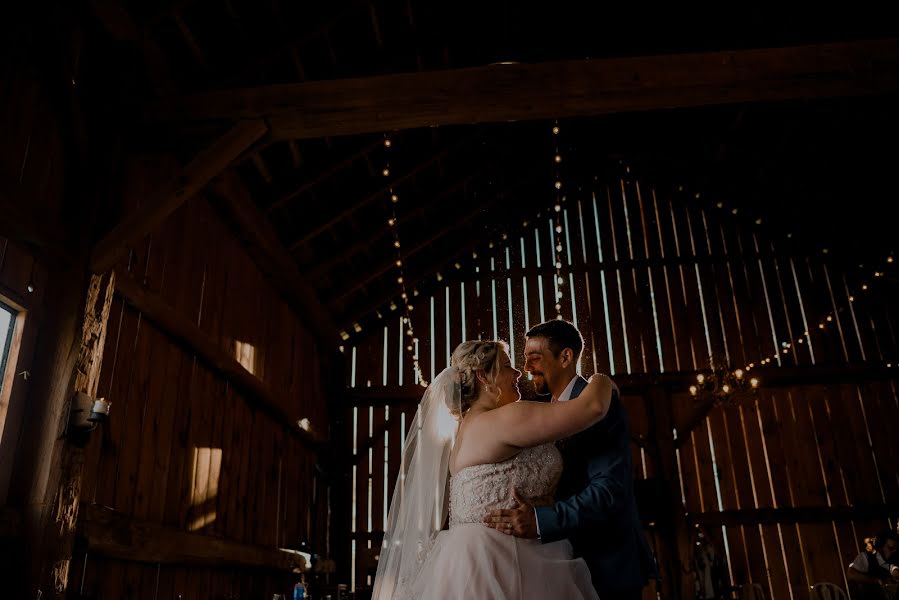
595,506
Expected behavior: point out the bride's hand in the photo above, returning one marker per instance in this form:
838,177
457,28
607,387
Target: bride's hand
611,381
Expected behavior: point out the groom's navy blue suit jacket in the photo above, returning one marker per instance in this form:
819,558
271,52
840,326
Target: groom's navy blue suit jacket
595,507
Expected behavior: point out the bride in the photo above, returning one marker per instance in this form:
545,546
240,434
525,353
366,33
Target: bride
470,429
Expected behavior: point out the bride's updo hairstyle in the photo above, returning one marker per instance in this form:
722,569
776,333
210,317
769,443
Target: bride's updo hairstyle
472,357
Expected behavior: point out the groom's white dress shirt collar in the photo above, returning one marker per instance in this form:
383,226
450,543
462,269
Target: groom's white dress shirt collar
566,393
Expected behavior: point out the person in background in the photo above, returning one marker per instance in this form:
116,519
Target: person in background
875,567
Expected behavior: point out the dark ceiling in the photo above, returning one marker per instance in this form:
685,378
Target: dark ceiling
822,170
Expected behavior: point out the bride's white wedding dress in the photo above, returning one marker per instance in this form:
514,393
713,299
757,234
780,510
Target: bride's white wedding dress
472,560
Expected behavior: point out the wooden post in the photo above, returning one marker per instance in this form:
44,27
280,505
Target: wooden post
51,466
339,466
674,557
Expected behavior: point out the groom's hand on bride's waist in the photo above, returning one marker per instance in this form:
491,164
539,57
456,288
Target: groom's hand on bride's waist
520,521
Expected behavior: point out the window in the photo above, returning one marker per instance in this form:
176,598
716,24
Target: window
7,322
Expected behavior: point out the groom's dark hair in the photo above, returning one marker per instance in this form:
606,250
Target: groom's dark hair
559,334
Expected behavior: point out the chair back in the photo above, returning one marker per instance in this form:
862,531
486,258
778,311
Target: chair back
752,591
828,591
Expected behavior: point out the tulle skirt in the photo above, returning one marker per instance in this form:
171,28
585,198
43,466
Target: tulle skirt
475,561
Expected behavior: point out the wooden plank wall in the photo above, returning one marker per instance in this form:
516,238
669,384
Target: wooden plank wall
662,281
182,448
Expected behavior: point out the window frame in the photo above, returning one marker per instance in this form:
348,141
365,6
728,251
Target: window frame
6,345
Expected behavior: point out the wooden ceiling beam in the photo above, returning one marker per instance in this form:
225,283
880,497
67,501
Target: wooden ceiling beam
189,39
326,173
394,184
433,267
499,93
383,268
379,232
155,209
413,281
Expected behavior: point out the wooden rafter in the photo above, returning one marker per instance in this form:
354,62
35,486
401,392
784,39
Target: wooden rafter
413,280
499,93
325,173
154,210
189,39
378,233
384,267
394,184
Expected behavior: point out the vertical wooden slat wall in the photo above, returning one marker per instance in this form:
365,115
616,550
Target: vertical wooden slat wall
182,447
661,280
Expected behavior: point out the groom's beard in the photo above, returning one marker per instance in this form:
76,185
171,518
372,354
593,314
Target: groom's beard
540,385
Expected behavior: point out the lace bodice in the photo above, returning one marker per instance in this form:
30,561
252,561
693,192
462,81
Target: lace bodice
479,489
